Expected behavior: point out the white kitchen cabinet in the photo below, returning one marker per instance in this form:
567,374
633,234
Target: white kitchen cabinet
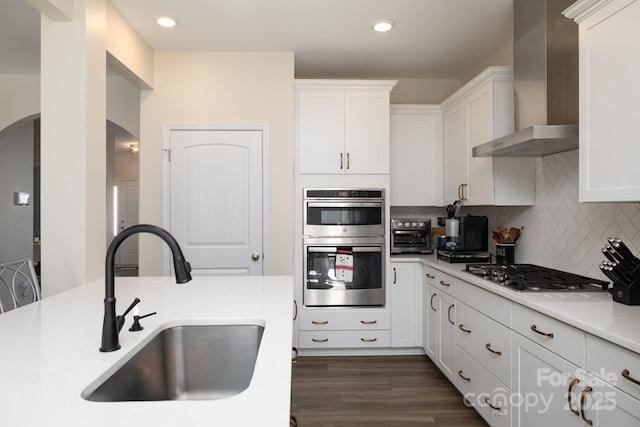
406,296
548,385
430,315
343,126
344,328
481,111
609,89
416,155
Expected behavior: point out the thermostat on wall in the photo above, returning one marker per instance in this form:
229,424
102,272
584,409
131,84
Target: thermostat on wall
21,198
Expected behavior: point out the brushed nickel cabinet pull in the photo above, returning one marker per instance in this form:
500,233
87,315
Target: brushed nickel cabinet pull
449,314
430,276
461,327
432,307
627,375
443,283
319,322
488,402
570,395
319,339
460,191
463,377
348,160
534,328
583,397
295,311
395,275
368,322
341,161
368,339
488,347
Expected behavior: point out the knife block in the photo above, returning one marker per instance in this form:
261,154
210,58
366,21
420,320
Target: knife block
627,292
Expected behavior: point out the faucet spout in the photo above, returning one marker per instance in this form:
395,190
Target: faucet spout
110,341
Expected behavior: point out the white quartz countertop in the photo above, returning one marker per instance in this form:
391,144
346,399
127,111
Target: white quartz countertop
49,352
593,312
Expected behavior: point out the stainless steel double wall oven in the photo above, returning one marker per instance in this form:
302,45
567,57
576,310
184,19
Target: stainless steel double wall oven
344,247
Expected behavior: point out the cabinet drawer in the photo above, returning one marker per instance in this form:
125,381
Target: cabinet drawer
494,306
446,283
560,338
481,389
344,339
485,340
608,361
344,320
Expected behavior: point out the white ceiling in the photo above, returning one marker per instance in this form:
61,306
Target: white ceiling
330,38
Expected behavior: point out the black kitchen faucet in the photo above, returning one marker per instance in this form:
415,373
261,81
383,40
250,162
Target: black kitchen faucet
182,268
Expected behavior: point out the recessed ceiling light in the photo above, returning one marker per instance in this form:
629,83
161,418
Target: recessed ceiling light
382,25
165,21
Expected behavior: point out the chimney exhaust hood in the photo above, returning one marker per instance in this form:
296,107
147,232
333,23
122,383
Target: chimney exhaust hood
545,80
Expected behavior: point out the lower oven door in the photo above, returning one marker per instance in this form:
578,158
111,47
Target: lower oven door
344,271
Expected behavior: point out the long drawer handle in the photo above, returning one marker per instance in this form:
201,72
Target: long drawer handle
432,307
570,395
627,375
319,339
449,314
488,347
461,327
368,322
319,322
430,276
463,377
443,283
583,397
534,328
488,402
368,339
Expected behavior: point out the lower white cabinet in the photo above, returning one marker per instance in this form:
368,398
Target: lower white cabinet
430,313
447,333
344,328
406,295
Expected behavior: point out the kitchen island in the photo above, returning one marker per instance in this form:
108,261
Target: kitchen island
50,352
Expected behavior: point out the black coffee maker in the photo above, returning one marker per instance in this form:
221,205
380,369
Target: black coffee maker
465,233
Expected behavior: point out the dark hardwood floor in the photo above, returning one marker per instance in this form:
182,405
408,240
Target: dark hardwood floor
376,391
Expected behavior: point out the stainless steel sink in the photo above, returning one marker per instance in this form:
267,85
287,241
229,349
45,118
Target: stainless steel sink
194,362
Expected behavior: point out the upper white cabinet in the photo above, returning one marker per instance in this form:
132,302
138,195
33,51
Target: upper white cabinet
609,89
416,155
343,126
481,111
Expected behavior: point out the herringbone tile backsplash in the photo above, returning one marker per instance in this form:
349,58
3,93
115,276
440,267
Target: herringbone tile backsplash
559,232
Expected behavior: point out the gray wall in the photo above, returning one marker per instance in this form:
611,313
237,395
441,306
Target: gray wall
559,232
16,174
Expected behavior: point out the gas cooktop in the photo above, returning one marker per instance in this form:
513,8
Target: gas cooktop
534,278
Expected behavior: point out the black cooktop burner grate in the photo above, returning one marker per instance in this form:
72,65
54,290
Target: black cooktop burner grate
530,277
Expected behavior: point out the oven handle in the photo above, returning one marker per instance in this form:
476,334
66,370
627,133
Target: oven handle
343,204
331,249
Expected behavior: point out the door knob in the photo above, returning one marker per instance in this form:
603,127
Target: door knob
255,256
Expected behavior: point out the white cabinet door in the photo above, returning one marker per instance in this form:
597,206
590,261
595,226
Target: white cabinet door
343,126
455,152
430,321
366,146
548,386
609,90
321,132
416,155
447,343
479,112
405,304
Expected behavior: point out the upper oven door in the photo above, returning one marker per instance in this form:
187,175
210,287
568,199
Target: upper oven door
343,218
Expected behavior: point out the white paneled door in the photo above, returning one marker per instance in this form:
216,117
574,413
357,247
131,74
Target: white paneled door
127,254
216,199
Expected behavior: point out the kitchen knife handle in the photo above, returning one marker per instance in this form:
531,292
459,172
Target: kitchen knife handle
534,328
627,375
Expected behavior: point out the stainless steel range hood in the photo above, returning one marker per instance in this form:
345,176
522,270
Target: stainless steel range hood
545,80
